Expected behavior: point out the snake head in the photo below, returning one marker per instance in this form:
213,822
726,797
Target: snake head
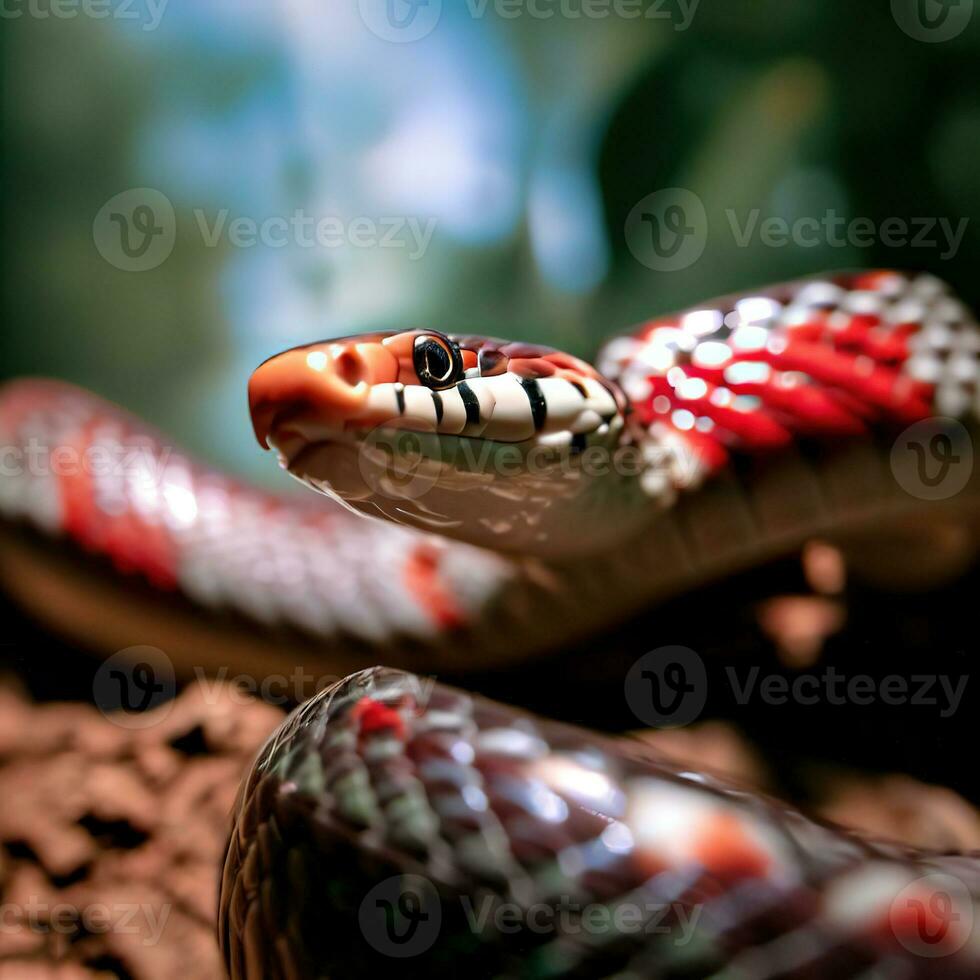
490,441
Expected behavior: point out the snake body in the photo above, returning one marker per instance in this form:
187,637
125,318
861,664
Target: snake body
395,825
544,500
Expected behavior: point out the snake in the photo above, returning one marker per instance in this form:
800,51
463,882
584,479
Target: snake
478,502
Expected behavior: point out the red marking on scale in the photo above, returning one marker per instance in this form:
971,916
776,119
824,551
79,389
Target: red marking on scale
873,280
754,430
373,716
728,853
897,396
424,581
134,543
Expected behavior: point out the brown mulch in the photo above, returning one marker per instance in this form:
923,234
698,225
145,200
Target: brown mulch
111,836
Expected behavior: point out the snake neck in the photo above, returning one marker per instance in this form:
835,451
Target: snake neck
547,503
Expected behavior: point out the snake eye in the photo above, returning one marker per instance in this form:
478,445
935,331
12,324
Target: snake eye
437,362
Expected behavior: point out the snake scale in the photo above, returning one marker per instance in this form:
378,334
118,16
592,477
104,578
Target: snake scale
529,498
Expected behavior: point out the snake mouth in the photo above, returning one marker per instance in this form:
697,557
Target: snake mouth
327,385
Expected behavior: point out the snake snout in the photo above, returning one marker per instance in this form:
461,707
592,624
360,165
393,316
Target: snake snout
326,383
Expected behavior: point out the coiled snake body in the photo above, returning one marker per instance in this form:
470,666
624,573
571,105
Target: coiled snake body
395,824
